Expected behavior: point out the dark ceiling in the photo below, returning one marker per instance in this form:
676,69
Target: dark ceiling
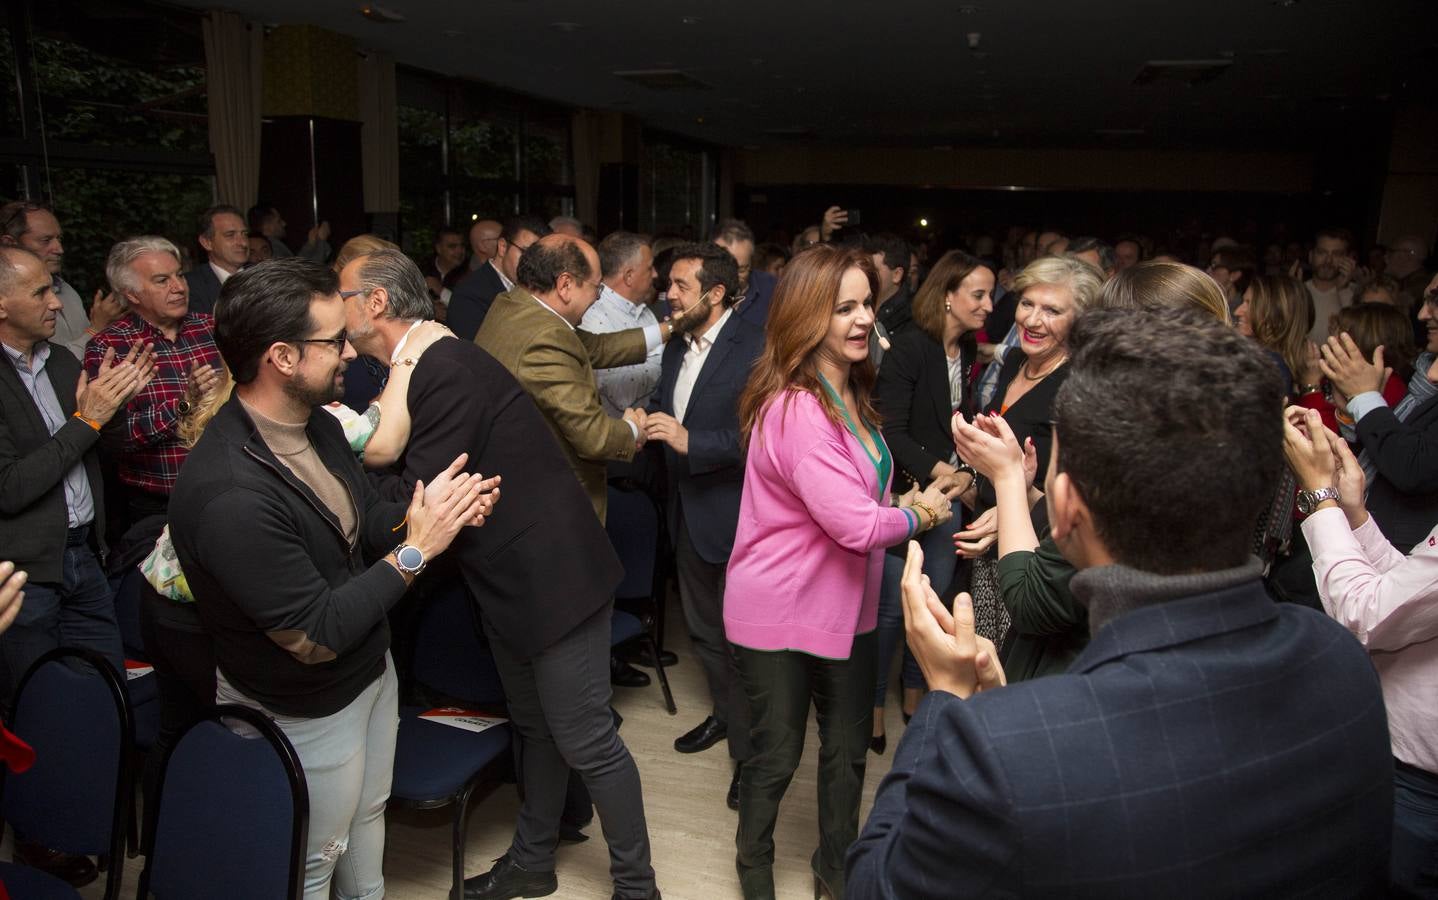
1281,73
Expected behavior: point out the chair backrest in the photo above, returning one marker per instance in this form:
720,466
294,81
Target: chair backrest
449,656
633,526
233,813
72,708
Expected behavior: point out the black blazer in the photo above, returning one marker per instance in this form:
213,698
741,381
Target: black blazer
33,463
470,299
1404,497
1219,745
1031,417
912,394
542,563
271,568
754,307
705,485
204,287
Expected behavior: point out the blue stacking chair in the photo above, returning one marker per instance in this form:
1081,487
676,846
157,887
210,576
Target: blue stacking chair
634,527
232,816
437,765
72,708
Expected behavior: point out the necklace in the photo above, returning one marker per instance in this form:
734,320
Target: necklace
1042,375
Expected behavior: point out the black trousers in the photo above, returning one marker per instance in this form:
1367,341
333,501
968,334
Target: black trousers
780,685
559,704
701,591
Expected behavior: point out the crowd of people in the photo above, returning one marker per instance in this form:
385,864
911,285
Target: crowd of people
1153,535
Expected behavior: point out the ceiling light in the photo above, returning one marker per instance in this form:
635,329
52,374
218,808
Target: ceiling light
566,27
691,20
380,14
1284,4
968,10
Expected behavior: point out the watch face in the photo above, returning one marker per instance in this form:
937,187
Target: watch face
410,558
1305,502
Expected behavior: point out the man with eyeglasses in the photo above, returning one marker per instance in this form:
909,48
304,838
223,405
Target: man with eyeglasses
533,330
755,288
297,609
472,297
34,227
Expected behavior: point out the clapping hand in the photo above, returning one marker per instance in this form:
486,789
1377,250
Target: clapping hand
11,595
981,534
953,658
1350,373
989,445
455,479
115,383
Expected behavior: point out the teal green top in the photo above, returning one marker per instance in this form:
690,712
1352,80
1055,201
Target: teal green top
883,463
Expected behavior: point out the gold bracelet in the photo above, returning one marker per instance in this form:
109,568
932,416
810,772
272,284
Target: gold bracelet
933,517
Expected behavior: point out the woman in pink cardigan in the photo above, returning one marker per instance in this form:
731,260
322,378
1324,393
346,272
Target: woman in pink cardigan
801,597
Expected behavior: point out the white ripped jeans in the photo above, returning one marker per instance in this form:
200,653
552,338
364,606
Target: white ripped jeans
348,760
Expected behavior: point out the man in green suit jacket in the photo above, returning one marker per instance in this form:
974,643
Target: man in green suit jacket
533,331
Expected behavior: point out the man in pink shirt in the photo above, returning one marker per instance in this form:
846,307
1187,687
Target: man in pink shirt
1390,603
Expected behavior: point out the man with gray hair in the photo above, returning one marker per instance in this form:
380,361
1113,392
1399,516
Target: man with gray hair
566,225
627,264
546,614
755,288
145,271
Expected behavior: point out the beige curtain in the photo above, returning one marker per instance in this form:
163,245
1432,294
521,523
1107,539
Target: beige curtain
379,138
585,135
234,76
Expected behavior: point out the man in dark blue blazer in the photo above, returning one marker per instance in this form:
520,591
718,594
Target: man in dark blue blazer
1208,742
470,299
226,241
751,298
695,414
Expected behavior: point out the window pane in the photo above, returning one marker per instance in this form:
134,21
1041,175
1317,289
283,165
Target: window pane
483,148
121,79
9,94
422,181
476,201
674,178
98,206
546,154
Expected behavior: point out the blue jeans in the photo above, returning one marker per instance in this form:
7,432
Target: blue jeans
940,562
1414,867
77,612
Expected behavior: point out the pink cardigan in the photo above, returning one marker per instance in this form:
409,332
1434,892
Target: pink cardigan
809,551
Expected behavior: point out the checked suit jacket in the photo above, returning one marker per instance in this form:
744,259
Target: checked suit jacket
1219,745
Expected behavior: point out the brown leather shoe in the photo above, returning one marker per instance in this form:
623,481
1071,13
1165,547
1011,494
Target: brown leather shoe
77,871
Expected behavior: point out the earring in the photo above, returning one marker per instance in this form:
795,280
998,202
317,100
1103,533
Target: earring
946,306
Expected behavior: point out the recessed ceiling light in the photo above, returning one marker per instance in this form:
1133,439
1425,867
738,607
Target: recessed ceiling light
691,20
1284,4
968,10
566,27
453,33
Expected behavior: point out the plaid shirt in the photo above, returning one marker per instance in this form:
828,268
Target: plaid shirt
151,453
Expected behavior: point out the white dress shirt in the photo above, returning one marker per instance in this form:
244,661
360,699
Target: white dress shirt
624,387
693,364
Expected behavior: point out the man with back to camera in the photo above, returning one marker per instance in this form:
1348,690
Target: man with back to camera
546,612
226,242
1208,741
470,300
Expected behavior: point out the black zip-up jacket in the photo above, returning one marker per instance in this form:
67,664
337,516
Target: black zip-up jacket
270,567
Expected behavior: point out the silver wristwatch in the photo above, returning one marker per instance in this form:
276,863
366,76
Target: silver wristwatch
1308,500
410,559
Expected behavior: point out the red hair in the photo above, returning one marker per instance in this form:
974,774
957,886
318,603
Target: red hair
799,315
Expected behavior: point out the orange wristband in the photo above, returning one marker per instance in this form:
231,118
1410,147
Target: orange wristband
91,422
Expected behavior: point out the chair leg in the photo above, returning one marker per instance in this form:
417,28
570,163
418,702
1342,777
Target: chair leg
663,678
461,826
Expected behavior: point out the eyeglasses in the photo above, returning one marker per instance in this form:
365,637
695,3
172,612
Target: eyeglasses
345,295
338,342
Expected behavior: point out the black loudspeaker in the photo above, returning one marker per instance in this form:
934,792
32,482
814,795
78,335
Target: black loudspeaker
618,198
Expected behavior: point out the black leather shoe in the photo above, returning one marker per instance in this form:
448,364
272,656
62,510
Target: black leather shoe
77,871
879,744
508,880
640,657
622,674
569,833
733,798
653,896
704,735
